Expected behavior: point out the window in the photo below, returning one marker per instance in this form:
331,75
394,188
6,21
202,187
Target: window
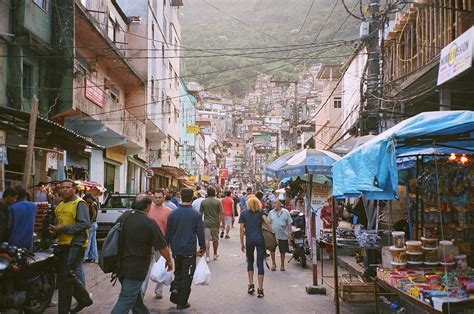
27,81
111,27
337,102
43,4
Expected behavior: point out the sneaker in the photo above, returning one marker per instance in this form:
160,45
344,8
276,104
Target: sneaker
208,259
158,296
227,237
183,306
216,257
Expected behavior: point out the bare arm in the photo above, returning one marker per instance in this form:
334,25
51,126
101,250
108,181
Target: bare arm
242,235
165,252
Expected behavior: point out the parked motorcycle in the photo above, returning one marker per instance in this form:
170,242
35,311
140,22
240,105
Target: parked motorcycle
26,279
299,244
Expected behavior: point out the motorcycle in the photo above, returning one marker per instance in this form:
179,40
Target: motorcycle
299,243
26,279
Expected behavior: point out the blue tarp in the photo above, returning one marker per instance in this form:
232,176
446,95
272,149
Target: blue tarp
371,169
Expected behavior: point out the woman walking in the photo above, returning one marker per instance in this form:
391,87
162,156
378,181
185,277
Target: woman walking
251,229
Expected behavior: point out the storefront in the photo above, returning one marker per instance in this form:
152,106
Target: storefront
424,164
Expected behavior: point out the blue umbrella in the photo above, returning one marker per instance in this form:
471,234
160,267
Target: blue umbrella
300,162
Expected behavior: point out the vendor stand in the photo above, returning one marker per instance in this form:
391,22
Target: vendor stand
426,274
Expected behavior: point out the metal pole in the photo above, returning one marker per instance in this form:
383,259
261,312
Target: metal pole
309,214
373,69
295,117
334,254
31,142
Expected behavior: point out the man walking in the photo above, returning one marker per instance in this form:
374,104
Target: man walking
228,205
197,202
160,214
73,221
236,199
183,228
9,197
280,219
213,216
139,235
243,201
91,254
23,215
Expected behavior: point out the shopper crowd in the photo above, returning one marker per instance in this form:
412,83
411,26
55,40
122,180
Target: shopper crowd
178,227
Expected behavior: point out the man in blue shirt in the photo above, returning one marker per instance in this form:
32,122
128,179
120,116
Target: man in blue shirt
243,201
23,215
183,227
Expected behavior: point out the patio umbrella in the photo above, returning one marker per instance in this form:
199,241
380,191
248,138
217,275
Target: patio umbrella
301,162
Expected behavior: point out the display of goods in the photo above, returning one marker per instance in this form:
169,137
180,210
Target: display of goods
431,255
429,242
430,232
398,239
446,252
415,258
368,238
398,265
414,246
398,255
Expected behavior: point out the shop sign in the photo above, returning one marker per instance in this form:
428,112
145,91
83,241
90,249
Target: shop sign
223,173
320,194
94,93
192,129
456,57
149,173
52,161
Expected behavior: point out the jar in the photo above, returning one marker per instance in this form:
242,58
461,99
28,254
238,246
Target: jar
414,246
431,255
415,258
446,252
398,239
398,255
429,242
461,261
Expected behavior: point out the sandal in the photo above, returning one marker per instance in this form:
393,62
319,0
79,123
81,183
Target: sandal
251,289
260,293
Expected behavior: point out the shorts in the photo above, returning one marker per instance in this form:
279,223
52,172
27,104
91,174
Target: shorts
283,246
211,234
228,220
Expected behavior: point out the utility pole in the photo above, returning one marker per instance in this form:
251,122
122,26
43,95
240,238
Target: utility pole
31,142
370,115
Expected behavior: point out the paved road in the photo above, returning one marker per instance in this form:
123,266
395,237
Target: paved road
284,291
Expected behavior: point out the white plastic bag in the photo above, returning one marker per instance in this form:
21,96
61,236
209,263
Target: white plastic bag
202,275
160,274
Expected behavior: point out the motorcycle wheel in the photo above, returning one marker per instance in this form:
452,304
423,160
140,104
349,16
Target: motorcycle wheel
302,257
40,302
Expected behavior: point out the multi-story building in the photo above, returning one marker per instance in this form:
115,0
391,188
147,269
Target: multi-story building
188,135
156,54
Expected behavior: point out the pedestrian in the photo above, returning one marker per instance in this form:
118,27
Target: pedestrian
228,205
213,216
91,254
243,201
250,221
23,215
71,228
236,199
174,199
197,202
326,217
9,198
183,228
168,201
160,214
140,234
280,220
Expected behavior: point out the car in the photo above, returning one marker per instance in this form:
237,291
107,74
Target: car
113,207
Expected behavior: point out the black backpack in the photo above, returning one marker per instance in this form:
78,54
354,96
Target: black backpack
109,257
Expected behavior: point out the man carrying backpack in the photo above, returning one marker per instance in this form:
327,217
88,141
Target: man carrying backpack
138,235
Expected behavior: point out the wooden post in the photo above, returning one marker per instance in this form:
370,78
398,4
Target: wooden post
334,254
3,140
31,142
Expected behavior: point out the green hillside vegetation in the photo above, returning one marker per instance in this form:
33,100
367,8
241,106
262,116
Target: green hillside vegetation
253,24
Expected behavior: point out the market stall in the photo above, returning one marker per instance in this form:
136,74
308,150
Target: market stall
429,263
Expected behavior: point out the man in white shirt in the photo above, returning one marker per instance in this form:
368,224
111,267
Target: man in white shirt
197,202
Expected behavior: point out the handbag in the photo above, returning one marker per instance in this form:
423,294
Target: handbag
269,237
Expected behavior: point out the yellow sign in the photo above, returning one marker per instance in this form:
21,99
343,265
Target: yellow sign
192,129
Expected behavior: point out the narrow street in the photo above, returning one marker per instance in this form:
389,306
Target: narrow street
284,291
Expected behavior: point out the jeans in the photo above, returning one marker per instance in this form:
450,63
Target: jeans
91,251
68,261
183,277
250,248
79,272
130,298
159,286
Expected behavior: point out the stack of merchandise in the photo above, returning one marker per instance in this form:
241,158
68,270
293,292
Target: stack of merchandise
368,239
